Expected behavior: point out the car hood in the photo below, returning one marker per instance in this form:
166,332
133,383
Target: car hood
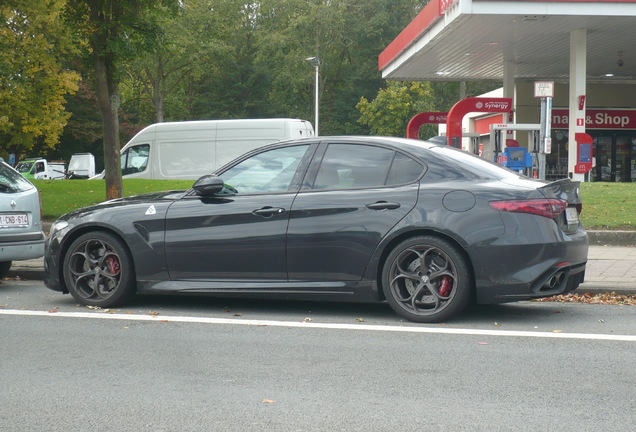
149,198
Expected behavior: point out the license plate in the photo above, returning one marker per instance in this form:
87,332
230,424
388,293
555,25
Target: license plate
14,220
571,215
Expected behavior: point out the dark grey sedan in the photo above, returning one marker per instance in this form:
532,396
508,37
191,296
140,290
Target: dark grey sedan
426,228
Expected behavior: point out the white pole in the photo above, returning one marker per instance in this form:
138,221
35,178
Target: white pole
317,95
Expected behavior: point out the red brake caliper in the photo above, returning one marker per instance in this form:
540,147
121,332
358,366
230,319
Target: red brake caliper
113,265
446,286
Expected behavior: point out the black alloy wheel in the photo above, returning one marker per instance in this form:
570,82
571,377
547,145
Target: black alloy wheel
426,279
98,270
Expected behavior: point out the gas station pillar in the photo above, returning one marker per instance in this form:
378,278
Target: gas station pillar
578,71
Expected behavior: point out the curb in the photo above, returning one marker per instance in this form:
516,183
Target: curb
612,238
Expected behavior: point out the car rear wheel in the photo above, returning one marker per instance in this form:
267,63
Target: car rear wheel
98,270
426,279
4,268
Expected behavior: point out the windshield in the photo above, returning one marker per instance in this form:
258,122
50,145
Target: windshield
24,167
11,181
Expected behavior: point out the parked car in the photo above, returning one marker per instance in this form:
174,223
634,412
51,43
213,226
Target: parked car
21,235
427,228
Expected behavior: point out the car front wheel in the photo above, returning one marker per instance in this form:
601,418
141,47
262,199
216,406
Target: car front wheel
98,270
426,279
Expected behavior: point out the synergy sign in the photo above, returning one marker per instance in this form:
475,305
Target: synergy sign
597,119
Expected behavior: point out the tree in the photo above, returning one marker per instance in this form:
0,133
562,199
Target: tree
389,113
115,30
34,75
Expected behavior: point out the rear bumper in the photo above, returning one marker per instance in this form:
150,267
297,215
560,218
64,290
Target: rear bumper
22,250
556,280
509,273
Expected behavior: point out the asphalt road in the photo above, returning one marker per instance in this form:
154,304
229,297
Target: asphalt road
205,364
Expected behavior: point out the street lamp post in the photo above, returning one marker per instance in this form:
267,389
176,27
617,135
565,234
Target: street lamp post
315,62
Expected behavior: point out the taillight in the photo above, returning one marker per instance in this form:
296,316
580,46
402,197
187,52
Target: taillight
550,208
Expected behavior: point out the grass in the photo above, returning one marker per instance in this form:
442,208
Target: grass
62,196
609,206
605,205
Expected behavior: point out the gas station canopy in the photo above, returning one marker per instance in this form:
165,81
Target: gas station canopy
464,40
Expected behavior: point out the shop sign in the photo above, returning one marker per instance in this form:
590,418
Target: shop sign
597,119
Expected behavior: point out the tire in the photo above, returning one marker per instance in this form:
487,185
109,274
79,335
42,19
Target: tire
442,291
4,268
98,270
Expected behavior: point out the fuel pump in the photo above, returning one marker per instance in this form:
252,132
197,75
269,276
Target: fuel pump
519,158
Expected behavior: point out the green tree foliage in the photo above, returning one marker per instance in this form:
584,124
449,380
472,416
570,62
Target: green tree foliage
115,30
34,74
238,59
347,36
389,113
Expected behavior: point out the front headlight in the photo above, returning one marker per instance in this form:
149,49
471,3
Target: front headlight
57,226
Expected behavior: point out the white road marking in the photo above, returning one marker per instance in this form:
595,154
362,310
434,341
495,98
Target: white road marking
315,325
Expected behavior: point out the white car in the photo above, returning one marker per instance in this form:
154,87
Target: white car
21,235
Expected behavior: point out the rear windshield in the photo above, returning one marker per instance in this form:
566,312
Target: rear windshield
11,181
474,164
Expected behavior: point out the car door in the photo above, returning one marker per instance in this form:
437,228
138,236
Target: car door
355,194
241,235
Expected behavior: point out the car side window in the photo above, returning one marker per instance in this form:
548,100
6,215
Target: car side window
135,159
268,172
403,170
358,166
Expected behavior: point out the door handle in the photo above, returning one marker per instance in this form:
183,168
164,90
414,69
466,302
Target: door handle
383,205
268,211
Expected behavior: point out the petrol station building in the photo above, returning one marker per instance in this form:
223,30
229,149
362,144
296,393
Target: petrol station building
586,50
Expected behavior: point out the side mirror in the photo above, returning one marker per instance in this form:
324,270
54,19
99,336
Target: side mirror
208,185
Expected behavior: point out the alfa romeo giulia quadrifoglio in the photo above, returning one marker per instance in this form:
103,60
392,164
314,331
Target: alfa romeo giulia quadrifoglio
424,227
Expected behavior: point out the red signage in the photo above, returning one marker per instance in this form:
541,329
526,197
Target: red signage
468,105
597,119
445,4
413,128
584,153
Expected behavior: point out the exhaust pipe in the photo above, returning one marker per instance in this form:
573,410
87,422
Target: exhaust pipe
556,280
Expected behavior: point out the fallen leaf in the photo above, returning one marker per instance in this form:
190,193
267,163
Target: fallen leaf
497,324
268,401
153,313
483,343
608,298
360,319
557,331
308,319
237,314
53,311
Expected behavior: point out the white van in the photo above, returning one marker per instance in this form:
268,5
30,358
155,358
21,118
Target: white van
188,150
